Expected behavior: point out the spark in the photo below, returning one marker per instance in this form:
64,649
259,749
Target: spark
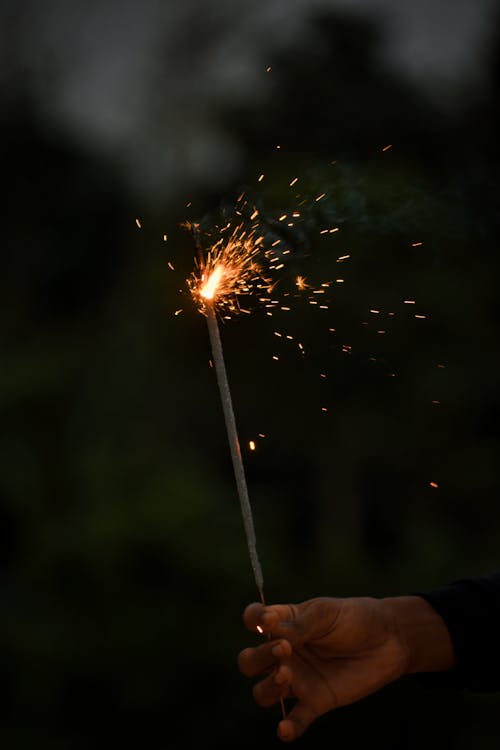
251,445
294,181
320,197
386,148
170,265
138,223
165,238
416,244
300,283
259,629
434,485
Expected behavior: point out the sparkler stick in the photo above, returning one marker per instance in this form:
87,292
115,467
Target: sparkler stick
234,444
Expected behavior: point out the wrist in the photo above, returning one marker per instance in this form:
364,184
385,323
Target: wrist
422,633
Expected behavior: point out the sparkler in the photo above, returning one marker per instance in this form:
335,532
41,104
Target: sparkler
230,269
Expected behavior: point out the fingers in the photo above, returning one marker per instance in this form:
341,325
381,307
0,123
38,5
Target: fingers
254,661
296,723
275,619
274,687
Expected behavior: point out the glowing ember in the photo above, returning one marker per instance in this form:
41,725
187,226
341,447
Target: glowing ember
301,283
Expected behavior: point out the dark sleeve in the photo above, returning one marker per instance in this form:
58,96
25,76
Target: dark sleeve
471,611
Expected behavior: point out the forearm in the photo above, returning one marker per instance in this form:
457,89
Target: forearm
423,634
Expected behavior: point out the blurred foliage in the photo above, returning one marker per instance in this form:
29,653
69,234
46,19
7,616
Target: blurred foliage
123,561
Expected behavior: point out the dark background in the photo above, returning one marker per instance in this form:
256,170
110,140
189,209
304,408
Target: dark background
123,564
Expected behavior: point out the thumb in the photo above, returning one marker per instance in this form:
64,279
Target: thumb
270,619
283,621
299,623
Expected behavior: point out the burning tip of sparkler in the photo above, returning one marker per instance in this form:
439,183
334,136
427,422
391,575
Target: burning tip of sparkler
208,290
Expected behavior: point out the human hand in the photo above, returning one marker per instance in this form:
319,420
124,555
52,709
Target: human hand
323,652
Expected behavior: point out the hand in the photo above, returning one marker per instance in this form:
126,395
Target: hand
324,652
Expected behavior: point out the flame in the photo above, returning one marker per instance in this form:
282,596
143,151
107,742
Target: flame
209,289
